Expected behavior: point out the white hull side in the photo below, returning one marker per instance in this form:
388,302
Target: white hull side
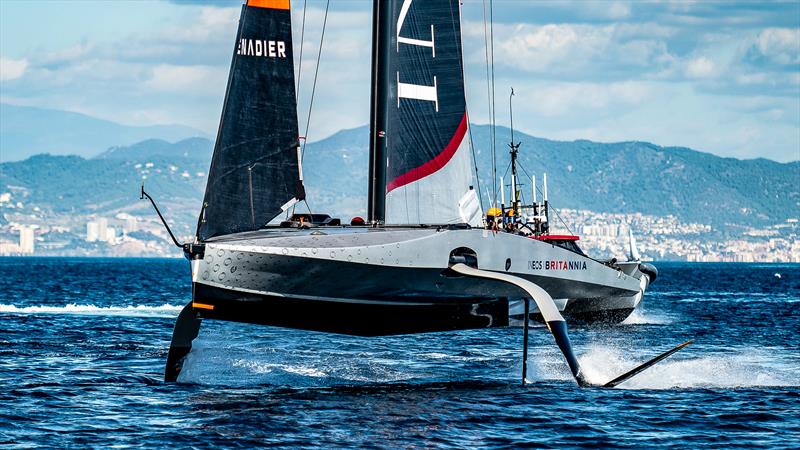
399,265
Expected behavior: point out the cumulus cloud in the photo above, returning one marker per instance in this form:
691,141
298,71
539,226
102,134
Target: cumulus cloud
205,36
577,50
776,46
700,67
11,69
208,24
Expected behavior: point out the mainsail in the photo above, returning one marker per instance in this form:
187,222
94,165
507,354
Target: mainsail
421,157
255,171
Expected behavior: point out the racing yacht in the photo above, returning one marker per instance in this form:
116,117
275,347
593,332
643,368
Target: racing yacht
427,258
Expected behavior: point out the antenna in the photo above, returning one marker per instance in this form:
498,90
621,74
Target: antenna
514,149
502,193
545,186
546,204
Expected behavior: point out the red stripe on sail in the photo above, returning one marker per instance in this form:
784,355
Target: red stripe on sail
433,165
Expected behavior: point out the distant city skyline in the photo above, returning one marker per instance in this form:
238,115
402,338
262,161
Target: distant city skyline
722,77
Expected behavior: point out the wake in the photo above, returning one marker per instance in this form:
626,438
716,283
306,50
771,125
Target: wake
639,317
746,367
165,310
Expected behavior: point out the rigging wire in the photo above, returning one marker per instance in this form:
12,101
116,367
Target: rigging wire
300,60
494,122
489,103
469,128
313,89
490,93
299,74
201,217
508,167
316,73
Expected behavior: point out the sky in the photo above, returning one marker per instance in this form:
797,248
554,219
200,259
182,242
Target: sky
721,77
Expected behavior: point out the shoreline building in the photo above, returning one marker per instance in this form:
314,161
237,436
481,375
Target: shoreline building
98,230
26,240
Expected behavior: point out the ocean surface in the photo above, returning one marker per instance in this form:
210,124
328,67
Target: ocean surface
83,344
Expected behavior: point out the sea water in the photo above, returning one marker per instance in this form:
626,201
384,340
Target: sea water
83,344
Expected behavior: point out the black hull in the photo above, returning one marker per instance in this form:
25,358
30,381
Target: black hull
594,318
359,319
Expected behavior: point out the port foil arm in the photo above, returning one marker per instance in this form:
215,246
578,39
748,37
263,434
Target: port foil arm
642,367
187,327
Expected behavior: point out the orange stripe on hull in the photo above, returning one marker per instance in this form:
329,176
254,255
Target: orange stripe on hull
272,4
202,306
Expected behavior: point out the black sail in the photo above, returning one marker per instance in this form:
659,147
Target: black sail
255,168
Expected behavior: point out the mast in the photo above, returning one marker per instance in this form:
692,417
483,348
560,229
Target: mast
381,45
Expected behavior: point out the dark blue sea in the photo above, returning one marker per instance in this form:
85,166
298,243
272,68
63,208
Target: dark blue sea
83,344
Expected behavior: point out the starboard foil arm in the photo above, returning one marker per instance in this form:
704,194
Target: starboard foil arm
556,324
547,307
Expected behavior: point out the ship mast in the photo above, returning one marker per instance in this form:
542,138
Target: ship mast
541,214
381,45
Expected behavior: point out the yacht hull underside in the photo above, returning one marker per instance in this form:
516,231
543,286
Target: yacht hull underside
353,318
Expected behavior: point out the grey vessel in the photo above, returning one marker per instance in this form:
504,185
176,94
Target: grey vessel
427,258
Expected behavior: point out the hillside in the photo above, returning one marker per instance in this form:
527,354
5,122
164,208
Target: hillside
643,177
622,177
192,148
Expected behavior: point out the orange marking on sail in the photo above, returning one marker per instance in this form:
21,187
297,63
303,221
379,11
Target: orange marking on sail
272,4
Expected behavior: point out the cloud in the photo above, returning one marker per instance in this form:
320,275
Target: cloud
670,72
560,99
616,10
700,67
11,69
777,47
205,36
206,2
193,80
578,51
209,23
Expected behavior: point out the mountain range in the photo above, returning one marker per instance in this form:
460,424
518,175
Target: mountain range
624,177
26,131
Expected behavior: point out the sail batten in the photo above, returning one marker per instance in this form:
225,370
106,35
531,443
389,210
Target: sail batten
255,169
